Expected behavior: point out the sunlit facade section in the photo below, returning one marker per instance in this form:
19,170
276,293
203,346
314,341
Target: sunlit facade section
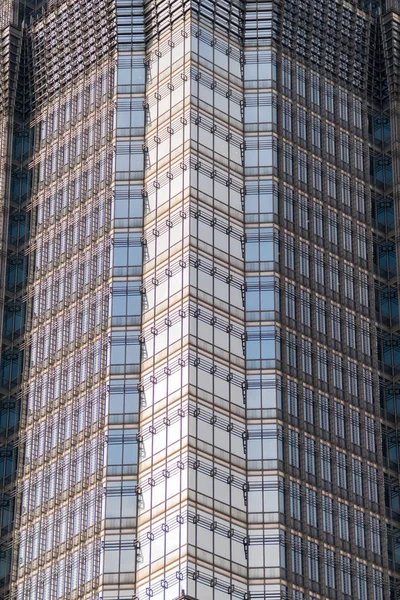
199,299
192,520
62,467
120,547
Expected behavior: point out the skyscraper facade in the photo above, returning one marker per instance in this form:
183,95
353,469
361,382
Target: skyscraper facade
199,296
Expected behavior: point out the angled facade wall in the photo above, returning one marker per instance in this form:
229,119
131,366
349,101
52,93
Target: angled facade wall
203,238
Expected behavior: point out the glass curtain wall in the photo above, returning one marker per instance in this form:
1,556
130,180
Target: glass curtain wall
62,472
212,203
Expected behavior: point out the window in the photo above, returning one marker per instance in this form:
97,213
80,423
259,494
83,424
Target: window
375,535
263,392
365,337
308,401
324,418
262,295
357,113
352,377
337,371
302,124
370,434
344,106
304,259
363,289
127,250
350,329
260,152
260,245
287,116
288,204
345,571
124,349
306,352
122,447
305,304
320,313
260,108
309,451
326,472
129,114
344,521
302,170
318,220
359,528
313,561
297,554
344,147
368,387
317,174
329,557
262,343
129,158
303,212
301,81
330,139
355,426
294,449
347,235
378,585
341,469
311,502
291,349
327,514
329,97
322,360
286,73
345,189
331,181
362,586
287,159
357,477
334,274
349,281
265,443
359,155
295,501
289,251
339,419
360,197
316,132
362,242
319,266
315,90
373,483
130,73
292,398
290,300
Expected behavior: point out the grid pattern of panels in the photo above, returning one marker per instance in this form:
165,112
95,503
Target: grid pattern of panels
10,358
201,410
121,548
192,520
63,419
266,533
162,475
328,348
384,141
217,547
15,153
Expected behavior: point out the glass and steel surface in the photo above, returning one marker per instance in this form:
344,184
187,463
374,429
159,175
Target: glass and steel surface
199,299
